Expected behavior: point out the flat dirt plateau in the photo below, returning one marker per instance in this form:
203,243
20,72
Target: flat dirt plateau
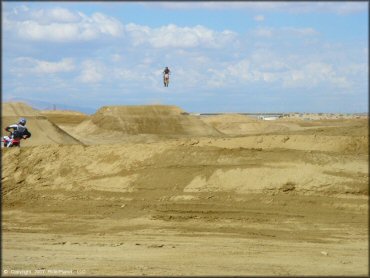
152,190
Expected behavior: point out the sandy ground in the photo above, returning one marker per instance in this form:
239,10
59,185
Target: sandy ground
191,196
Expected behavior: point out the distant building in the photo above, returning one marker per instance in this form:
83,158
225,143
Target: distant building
270,118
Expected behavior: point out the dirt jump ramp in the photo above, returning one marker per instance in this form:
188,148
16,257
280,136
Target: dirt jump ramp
146,119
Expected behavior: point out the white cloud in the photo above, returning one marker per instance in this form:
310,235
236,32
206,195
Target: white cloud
107,25
340,8
31,30
269,68
259,18
138,33
31,65
315,74
65,65
299,31
92,72
269,32
60,25
54,15
263,32
126,74
20,9
356,69
175,36
273,66
350,7
116,58
241,70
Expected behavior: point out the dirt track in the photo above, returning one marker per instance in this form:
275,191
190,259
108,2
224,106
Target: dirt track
285,202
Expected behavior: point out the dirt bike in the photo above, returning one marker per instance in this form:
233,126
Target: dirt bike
10,142
166,79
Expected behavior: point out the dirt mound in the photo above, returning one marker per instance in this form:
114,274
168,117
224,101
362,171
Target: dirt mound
43,131
236,124
161,166
151,119
64,117
324,143
18,109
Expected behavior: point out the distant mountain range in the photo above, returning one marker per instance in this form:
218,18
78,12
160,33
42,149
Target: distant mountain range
45,105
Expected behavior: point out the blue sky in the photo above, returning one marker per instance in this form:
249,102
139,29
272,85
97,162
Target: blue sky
224,57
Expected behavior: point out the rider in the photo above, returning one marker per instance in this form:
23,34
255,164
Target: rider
166,75
20,130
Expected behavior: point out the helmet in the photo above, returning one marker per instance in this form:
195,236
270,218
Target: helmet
22,121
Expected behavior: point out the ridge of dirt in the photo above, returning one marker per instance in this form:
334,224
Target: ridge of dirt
17,109
60,117
150,119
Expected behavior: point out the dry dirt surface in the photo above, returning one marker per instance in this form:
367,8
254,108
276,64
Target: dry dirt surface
179,200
